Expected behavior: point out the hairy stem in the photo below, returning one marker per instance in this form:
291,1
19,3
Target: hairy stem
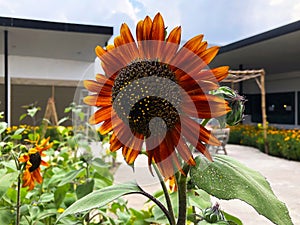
204,122
158,203
18,199
166,193
182,196
18,166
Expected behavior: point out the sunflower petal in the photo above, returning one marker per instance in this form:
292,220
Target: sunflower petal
172,44
208,55
218,73
182,147
193,43
194,140
115,144
102,79
129,41
96,100
200,132
205,106
37,176
158,28
43,163
202,85
163,159
109,59
147,25
24,158
94,86
106,127
144,45
101,115
132,149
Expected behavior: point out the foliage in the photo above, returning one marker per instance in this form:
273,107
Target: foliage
225,178
283,143
78,188
69,177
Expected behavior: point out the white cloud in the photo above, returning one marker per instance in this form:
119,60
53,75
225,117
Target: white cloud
221,21
275,2
295,15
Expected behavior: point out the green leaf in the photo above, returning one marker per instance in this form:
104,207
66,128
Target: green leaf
22,116
200,199
16,136
226,178
3,126
67,109
158,214
9,164
33,136
33,111
24,209
70,177
3,171
46,197
101,198
60,194
46,213
232,219
64,119
99,163
19,131
6,216
81,115
69,199
6,181
85,188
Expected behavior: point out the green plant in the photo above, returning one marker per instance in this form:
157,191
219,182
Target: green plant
281,142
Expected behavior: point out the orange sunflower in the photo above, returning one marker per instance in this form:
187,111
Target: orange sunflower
154,92
33,160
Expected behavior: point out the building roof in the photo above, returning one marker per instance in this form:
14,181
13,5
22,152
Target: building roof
277,51
52,39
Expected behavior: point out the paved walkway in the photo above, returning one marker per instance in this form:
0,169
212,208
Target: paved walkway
283,175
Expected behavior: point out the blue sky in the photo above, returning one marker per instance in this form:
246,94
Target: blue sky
221,21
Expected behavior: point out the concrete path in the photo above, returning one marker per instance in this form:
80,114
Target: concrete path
283,175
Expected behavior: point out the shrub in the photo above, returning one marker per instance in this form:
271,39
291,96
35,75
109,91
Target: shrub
281,142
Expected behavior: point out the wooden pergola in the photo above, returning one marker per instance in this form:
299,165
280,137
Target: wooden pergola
236,76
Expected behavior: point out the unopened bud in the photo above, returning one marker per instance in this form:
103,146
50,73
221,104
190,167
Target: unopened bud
235,102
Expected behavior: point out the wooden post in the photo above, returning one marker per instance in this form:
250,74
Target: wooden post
50,114
263,109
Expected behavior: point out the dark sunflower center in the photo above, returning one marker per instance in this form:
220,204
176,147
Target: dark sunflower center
146,96
35,160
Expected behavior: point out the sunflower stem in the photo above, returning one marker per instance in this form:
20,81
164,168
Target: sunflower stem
18,199
182,196
158,203
18,166
204,122
167,196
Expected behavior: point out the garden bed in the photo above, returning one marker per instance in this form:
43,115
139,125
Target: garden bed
281,142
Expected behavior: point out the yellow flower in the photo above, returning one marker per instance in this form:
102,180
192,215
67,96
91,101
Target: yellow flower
287,138
60,210
33,160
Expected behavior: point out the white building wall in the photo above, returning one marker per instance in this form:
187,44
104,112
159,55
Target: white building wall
46,68
275,83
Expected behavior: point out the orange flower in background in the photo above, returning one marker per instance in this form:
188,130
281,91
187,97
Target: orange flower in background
154,92
33,160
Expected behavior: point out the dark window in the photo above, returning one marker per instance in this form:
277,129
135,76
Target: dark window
280,107
298,107
253,107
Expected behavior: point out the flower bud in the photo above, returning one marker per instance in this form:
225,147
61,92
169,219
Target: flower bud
213,214
235,102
